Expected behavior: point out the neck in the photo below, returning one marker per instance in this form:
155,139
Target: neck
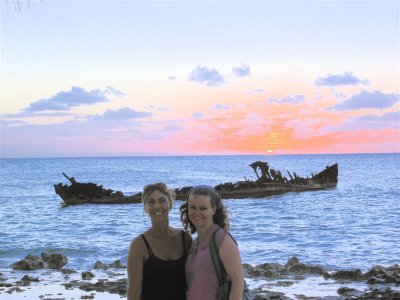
159,228
203,231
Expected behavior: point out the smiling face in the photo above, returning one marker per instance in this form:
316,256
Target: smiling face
157,205
200,211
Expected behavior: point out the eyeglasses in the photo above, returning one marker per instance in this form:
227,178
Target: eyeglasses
157,185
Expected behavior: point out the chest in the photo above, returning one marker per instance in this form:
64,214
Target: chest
167,249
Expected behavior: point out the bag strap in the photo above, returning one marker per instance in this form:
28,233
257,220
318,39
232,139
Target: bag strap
218,265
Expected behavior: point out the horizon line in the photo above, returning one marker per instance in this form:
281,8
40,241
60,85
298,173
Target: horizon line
195,155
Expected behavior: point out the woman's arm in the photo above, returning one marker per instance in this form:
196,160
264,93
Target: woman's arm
135,268
230,257
188,241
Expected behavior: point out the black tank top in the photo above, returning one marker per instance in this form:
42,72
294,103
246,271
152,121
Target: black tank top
164,279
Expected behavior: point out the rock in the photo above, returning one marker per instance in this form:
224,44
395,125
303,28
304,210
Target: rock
68,271
292,261
376,293
116,264
271,270
87,275
113,287
91,296
14,289
374,271
99,265
29,263
355,275
29,278
388,277
259,294
54,261
284,283
301,268
348,292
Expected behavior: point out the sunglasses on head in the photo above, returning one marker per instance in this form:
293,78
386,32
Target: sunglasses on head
205,189
157,185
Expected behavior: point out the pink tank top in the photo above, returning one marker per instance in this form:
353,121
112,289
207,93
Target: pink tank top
200,273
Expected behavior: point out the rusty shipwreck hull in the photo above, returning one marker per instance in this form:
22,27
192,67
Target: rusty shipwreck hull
269,183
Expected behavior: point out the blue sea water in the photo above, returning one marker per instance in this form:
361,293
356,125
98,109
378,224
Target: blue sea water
356,225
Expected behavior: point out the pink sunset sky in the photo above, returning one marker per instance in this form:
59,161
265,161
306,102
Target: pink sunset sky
105,78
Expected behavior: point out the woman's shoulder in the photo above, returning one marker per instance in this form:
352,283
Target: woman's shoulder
137,242
221,235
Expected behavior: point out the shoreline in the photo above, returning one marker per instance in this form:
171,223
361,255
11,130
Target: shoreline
294,280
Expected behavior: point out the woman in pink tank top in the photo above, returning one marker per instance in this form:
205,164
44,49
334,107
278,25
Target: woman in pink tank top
204,212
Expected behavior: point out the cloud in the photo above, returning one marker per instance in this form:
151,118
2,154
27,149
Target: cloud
172,127
253,124
114,91
159,108
241,71
370,121
221,107
291,99
257,91
366,99
342,79
34,115
124,113
304,129
77,96
389,120
198,115
172,77
11,122
206,76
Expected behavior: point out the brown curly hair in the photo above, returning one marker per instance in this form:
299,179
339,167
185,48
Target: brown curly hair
220,216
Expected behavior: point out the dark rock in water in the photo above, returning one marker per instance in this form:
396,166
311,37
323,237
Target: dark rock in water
6,284
91,296
29,263
14,289
374,271
377,293
113,287
382,275
348,292
99,265
301,268
68,271
87,275
274,270
32,262
116,264
355,275
292,261
29,278
270,270
259,294
54,261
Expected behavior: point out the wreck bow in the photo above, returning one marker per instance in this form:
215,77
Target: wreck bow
269,182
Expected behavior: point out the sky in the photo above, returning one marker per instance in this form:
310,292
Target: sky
127,78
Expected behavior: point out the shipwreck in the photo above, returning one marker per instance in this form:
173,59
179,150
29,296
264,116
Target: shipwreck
269,182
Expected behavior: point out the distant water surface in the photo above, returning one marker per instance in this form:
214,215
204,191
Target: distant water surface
356,225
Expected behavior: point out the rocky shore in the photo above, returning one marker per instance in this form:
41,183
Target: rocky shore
292,280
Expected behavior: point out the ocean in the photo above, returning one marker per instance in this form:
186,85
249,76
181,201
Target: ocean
356,225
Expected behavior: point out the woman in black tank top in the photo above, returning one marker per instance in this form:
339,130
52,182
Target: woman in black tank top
156,258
